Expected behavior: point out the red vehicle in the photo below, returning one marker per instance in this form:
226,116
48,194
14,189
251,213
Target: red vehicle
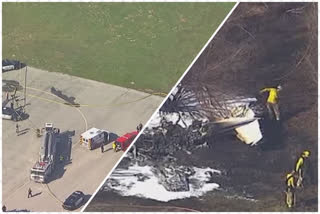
123,142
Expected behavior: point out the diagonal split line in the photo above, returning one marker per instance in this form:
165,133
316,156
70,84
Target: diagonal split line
156,111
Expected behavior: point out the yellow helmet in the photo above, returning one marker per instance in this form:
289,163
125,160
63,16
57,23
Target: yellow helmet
306,153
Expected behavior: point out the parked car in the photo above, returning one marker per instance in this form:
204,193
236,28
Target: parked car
9,65
9,114
74,201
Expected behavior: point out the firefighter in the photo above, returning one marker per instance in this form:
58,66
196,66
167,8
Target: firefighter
139,127
38,132
102,148
300,166
272,101
290,189
290,179
29,193
114,146
17,128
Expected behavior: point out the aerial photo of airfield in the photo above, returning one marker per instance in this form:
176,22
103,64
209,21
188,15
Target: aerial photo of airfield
240,131
78,82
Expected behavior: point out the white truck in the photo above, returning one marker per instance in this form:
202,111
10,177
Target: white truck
44,167
94,138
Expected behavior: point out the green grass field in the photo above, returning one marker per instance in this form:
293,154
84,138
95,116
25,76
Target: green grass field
136,45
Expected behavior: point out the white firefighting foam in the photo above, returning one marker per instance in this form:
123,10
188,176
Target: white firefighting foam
127,184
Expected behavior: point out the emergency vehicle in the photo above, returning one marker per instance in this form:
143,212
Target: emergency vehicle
123,142
45,166
94,138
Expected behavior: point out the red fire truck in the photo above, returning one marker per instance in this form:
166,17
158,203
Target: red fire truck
123,142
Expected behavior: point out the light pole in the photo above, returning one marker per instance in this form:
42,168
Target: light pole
25,88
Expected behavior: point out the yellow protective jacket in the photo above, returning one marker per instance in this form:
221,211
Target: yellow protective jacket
273,95
299,164
290,180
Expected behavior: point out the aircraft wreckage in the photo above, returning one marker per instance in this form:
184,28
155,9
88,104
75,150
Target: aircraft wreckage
184,124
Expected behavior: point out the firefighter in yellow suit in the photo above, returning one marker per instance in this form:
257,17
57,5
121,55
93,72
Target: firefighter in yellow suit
114,146
290,190
272,101
300,165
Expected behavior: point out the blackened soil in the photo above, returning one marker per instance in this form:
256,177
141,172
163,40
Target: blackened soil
261,45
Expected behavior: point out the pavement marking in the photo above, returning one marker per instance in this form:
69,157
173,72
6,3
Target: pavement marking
45,99
87,105
86,128
91,105
85,121
47,188
53,101
81,105
61,103
57,102
83,117
81,113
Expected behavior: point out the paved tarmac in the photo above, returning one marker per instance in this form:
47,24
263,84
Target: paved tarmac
104,106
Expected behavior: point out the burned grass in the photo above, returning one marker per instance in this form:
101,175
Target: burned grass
261,45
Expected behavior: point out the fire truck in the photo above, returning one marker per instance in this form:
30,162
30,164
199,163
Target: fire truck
123,142
44,167
94,138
